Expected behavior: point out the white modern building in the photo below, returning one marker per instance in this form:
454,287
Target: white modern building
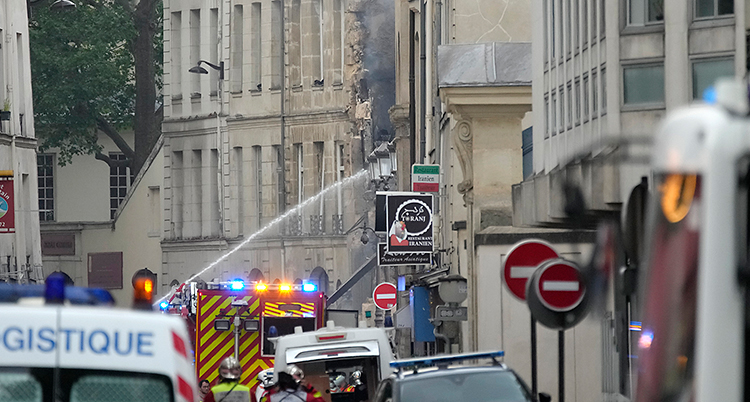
20,251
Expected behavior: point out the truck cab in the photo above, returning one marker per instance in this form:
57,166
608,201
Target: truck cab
344,364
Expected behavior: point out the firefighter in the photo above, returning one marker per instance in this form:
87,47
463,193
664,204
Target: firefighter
229,387
291,388
265,381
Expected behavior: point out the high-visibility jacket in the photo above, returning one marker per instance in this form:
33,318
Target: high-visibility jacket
288,395
228,392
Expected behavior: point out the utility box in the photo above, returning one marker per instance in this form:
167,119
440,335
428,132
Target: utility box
419,300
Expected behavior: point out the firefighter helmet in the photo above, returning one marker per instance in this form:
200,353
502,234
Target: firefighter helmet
295,372
230,369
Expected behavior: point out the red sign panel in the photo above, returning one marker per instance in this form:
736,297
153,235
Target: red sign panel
385,296
560,287
522,261
7,217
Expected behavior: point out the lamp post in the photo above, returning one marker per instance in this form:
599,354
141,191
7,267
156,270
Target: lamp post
382,165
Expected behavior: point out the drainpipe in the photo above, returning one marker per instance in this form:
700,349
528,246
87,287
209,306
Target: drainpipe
428,94
282,152
423,71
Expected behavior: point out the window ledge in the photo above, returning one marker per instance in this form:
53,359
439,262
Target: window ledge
177,97
317,88
712,22
195,96
638,30
642,107
297,88
255,92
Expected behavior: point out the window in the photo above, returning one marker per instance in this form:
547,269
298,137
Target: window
258,156
561,126
568,26
213,49
569,92
545,6
255,47
338,42
45,182
316,42
237,49
552,26
578,102
643,84
713,8
176,54
553,117
547,125
276,33
119,182
604,90
300,173
642,12
195,48
706,72
585,98
594,94
575,27
295,50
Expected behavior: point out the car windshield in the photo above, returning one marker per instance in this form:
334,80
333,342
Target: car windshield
487,386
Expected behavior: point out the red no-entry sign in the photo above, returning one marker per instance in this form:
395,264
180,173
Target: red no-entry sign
560,286
522,261
384,296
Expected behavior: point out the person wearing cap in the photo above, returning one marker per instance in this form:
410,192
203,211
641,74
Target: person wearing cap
229,388
291,388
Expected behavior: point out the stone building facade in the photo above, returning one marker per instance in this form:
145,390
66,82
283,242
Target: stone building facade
285,111
20,249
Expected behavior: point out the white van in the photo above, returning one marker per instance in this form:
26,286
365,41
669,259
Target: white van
71,353
361,356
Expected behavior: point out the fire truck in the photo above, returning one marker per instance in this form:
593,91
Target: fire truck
243,319
693,344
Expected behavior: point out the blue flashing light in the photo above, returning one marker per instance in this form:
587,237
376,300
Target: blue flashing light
237,285
436,360
309,287
163,305
11,293
54,291
709,95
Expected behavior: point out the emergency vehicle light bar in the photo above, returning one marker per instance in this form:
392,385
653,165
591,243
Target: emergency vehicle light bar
445,360
12,292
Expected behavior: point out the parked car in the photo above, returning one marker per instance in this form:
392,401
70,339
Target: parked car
449,378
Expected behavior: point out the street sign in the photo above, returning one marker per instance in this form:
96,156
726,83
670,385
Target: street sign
522,261
409,222
384,295
7,217
450,313
560,286
385,258
425,178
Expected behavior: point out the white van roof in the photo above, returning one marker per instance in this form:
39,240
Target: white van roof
329,343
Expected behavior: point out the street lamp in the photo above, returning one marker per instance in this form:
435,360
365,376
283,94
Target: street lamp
382,164
197,69
364,238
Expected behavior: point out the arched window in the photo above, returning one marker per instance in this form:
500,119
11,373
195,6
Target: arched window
256,276
277,280
319,277
298,281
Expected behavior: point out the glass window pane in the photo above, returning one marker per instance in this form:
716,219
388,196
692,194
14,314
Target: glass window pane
19,387
643,84
704,8
726,7
636,12
705,74
119,389
655,10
